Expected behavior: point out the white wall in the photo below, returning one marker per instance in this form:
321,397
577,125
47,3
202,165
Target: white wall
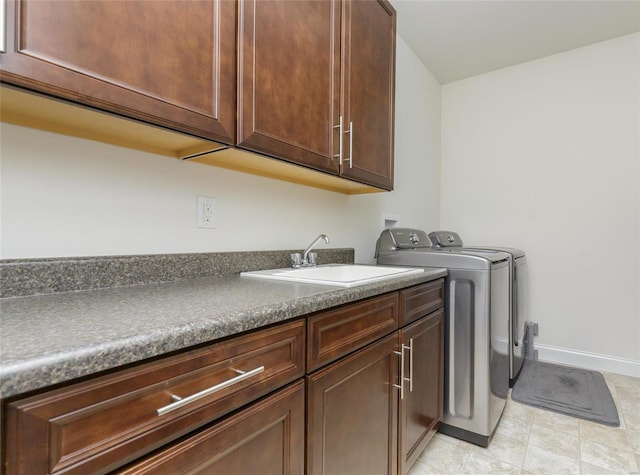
63,196
545,156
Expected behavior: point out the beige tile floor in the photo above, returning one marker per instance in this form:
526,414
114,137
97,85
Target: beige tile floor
532,441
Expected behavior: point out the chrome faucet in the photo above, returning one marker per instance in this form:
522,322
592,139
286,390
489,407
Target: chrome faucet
308,258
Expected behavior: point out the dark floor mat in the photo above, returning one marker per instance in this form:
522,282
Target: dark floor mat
572,391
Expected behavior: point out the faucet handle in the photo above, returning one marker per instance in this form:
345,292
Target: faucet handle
311,258
296,259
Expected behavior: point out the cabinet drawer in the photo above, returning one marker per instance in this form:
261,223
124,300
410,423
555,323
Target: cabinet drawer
418,301
96,426
336,333
265,438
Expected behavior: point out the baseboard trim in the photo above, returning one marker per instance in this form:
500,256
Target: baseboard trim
586,360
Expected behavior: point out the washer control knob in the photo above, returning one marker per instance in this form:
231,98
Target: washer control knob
413,238
450,238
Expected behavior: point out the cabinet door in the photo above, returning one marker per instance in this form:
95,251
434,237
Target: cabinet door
289,80
352,413
368,62
422,405
266,438
170,63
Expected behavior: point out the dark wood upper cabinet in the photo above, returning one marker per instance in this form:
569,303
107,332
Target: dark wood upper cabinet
368,88
310,82
171,64
289,79
316,85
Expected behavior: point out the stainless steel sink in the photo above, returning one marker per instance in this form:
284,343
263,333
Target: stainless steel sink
343,275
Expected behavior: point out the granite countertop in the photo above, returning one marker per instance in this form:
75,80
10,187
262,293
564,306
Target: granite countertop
50,339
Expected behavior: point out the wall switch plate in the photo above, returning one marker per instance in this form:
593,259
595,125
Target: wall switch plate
206,212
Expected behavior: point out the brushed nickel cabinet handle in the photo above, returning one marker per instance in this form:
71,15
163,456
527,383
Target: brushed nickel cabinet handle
339,154
180,402
410,347
401,378
350,132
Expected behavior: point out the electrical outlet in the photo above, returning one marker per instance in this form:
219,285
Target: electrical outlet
206,212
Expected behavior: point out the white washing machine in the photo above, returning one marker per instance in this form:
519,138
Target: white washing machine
476,375
518,305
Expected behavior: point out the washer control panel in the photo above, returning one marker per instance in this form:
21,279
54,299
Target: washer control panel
392,239
445,239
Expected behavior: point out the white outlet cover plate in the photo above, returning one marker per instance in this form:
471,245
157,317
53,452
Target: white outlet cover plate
206,212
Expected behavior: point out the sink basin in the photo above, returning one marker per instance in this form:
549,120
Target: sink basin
343,275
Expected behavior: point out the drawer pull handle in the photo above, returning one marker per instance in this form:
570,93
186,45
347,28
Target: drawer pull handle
179,402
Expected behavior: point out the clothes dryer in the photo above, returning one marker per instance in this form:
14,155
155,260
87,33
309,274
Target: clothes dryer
518,304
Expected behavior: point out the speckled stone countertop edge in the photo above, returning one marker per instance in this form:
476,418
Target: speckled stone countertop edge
34,373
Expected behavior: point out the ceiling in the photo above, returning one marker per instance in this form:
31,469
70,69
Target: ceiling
457,39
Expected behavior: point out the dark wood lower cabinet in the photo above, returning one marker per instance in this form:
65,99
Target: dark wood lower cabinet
101,424
267,438
421,407
342,413
352,410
